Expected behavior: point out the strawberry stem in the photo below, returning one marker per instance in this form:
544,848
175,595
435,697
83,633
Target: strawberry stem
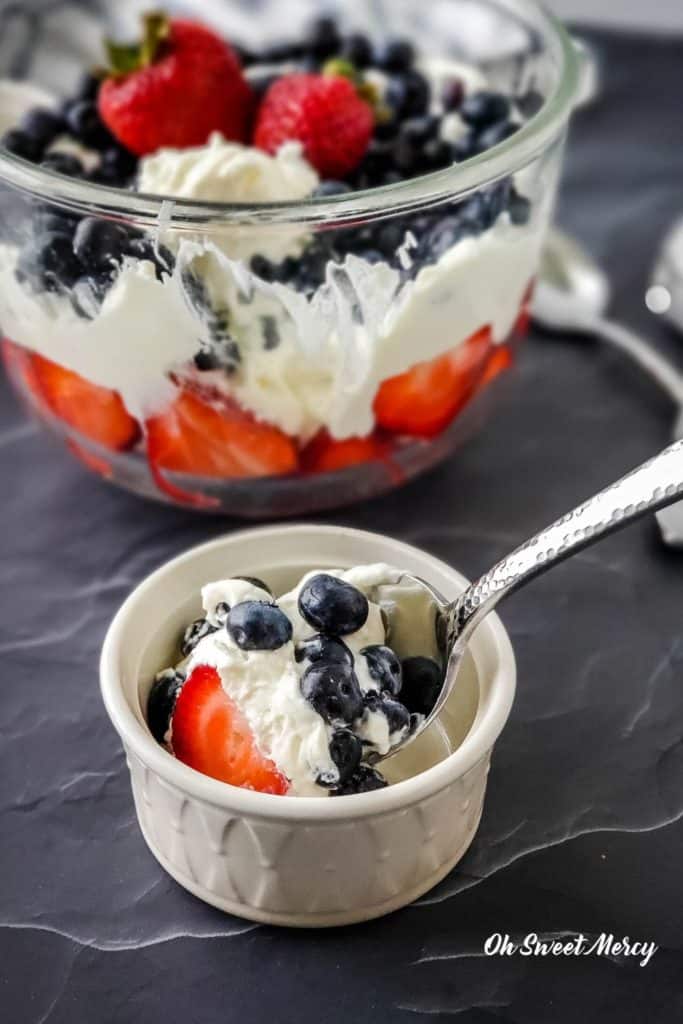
125,58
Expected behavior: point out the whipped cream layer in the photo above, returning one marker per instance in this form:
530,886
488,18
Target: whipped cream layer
334,349
265,685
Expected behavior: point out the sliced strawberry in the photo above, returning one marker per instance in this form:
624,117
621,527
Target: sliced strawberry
217,439
423,400
95,412
214,439
325,455
211,735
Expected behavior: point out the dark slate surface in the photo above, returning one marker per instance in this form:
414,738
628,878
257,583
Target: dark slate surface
583,826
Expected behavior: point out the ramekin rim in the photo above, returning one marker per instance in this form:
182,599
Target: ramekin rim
474,748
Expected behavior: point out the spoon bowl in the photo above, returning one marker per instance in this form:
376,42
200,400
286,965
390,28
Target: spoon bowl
653,485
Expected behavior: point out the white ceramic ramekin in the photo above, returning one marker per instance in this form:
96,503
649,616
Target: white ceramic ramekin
303,861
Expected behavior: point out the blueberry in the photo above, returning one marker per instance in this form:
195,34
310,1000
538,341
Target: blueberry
333,691
88,87
444,236
384,667
332,188
397,55
86,125
494,135
419,129
101,243
346,750
436,154
63,163
453,94
221,611
55,262
387,128
390,238
417,94
263,267
530,103
395,712
333,606
422,682
224,354
161,702
195,632
258,626
519,207
42,124
324,648
323,38
363,780
357,48
372,255
118,165
255,582
22,144
396,95
484,108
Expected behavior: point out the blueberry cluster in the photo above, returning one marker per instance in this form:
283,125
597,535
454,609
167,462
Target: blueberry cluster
65,252
81,256
431,232
77,118
336,609
407,141
218,351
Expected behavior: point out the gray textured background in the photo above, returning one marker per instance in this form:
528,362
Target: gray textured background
583,825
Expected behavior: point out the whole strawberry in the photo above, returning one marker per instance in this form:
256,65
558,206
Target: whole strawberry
323,112
181,83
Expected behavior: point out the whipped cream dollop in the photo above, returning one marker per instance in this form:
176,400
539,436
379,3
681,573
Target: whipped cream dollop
228,172
266,684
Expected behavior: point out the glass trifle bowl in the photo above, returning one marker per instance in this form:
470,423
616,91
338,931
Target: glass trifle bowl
263,357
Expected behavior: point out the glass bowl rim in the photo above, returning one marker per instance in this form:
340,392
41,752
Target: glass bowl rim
150,210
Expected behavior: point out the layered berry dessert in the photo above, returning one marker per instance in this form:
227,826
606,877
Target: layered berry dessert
299,695
264,346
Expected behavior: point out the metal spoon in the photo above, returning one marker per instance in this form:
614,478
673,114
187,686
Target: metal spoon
653,485
572,295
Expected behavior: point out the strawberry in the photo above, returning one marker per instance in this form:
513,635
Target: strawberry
217,439
423,400
95,412
325,455
211,735
175,88
323,112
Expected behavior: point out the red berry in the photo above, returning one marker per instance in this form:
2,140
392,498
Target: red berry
423,400
216,439
324,113
325,455
95,412
211,735
188,84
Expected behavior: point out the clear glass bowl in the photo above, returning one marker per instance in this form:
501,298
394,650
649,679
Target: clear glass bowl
281,358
